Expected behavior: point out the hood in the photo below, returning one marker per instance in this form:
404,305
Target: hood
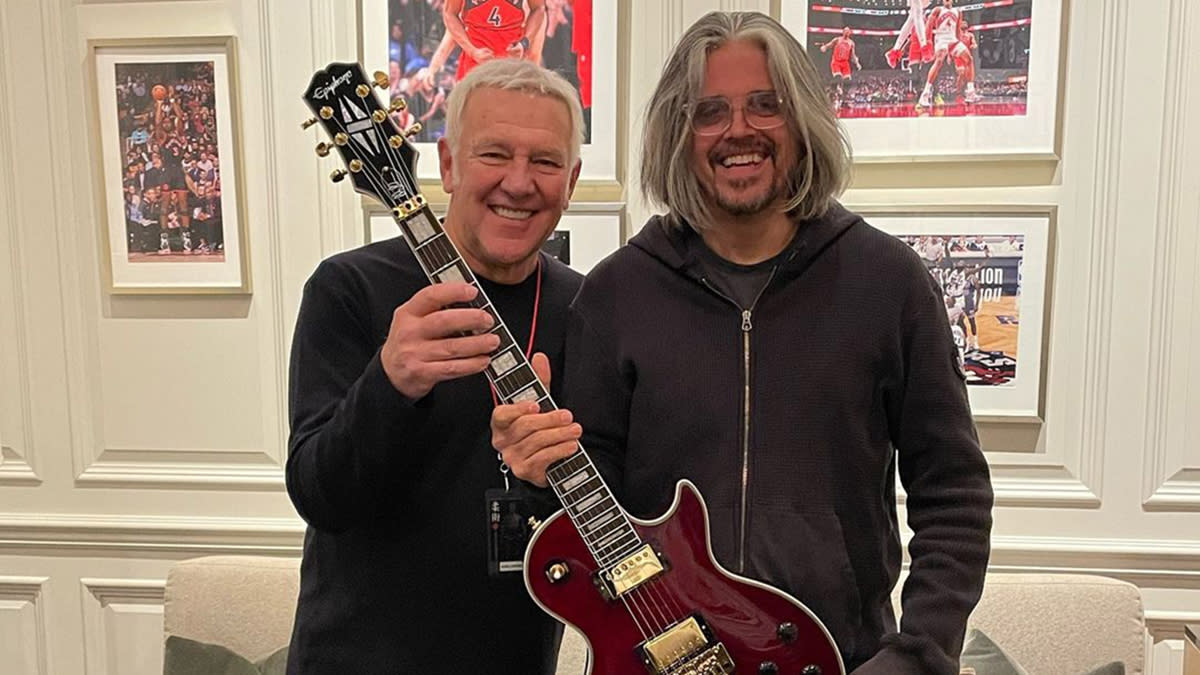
666,238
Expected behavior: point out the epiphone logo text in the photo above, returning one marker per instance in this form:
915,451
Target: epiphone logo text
325,92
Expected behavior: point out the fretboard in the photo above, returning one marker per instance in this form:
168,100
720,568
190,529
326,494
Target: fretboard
600,520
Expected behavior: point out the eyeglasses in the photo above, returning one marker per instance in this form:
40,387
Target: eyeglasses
714,115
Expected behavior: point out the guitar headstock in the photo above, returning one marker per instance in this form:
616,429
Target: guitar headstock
379,159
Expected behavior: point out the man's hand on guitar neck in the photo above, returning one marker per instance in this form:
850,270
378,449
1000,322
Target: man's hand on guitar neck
531,441
426,343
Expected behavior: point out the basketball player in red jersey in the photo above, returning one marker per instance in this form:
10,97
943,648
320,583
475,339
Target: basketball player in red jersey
581,44
920,49
942,27
963,54
843,52
488,29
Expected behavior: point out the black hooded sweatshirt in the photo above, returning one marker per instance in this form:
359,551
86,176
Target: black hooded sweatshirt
791,416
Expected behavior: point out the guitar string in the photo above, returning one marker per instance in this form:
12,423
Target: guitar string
641,610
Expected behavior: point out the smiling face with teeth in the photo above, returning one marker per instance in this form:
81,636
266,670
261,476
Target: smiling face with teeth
509,177
742,171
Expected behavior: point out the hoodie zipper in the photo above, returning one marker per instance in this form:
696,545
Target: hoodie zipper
747,326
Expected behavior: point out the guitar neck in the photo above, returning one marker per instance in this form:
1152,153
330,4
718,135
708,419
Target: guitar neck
589,503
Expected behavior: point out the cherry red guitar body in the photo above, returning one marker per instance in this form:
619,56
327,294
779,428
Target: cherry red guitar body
744,615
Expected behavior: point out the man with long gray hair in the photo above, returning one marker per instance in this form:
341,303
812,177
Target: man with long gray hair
782,354
415,536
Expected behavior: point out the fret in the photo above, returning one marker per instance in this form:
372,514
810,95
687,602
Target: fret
533,393
596,523
455,272
420,227
506,340
514,380
437,252
504,362
579,484
571,481
589,501
592,511
565,467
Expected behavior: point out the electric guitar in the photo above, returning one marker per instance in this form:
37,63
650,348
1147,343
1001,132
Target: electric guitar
648,596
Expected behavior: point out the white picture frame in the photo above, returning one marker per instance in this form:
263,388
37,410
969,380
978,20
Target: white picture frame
931,135
599,151
1010,329
187,264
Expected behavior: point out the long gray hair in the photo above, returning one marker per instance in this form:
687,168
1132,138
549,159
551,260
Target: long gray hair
823,167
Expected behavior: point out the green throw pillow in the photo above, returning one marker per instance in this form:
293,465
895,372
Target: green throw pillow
987,658
188,657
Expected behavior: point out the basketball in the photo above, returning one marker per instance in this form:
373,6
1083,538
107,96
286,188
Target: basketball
159,92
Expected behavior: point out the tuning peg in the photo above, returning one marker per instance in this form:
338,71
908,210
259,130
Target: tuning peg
323,149
356,165
326,112
337,175
381,79
395,141
362,90
413,130
341,138
379,116
397,105
308,123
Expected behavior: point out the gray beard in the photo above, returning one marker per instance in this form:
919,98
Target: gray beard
751,206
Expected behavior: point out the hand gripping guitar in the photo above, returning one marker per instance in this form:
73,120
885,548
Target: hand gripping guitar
647,595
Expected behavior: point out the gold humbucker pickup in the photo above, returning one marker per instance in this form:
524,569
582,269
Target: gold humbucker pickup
686,648
633,571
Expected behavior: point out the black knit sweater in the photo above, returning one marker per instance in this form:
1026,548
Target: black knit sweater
394,576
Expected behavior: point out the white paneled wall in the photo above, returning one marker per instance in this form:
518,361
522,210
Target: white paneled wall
137,431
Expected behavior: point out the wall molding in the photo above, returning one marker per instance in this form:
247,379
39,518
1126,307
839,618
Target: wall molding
1168,624
107,599
16,593
172,468
152,536
16,447
1169,483
1112,45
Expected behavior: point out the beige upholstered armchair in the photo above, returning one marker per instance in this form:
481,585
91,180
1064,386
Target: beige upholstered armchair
1051,624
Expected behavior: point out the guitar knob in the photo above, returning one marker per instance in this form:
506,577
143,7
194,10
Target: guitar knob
557,572
323,149
811,669
308,123
337,175
381,79
787,631
768,668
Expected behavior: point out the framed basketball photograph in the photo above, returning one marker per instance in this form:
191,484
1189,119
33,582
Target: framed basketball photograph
938,79
992,266
581,239
165,114
424,57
